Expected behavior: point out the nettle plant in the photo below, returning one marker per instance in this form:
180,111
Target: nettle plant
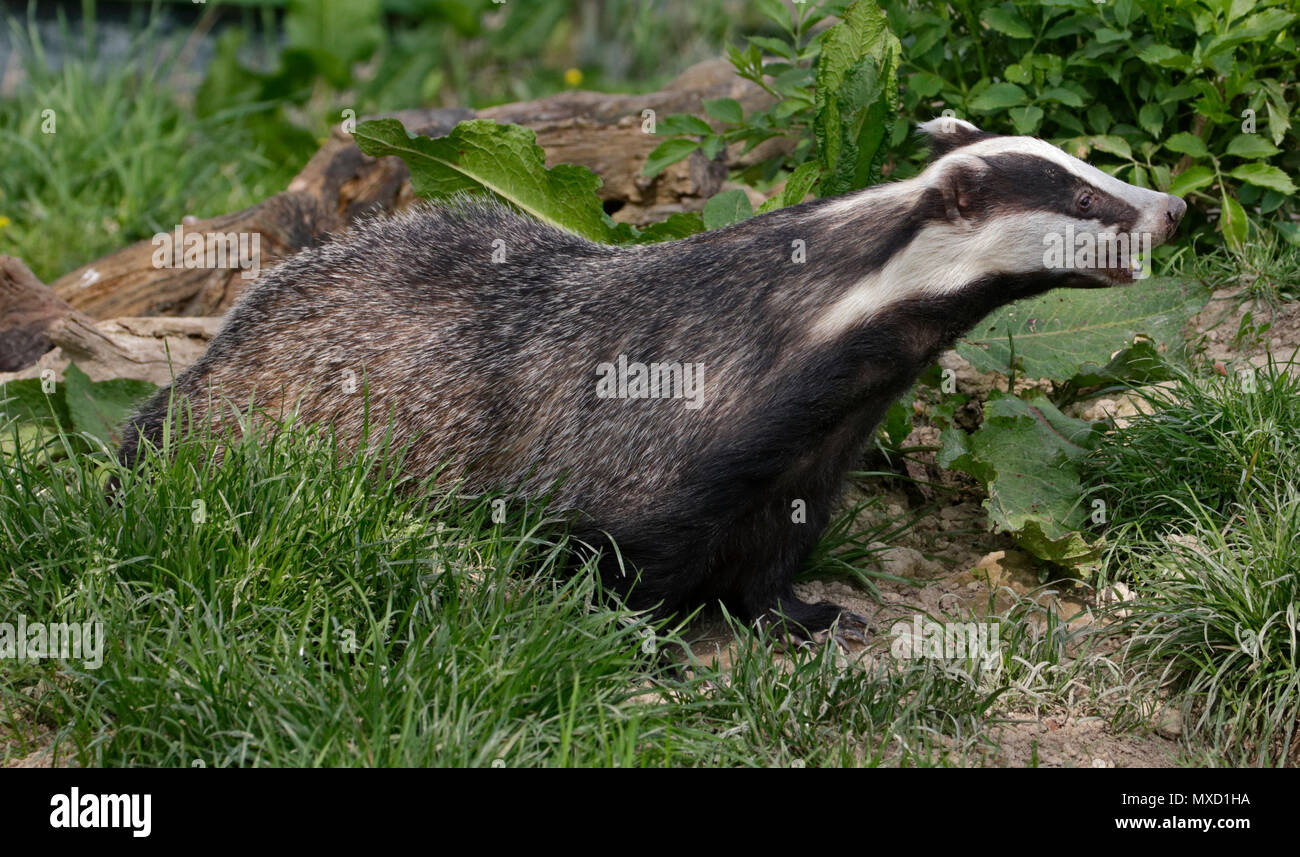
836,102
1191,97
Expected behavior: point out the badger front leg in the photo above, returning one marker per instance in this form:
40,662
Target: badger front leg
775,547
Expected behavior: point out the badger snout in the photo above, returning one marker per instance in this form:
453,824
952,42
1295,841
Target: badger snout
1175,208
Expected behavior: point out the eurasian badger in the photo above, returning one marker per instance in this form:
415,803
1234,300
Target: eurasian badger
491,341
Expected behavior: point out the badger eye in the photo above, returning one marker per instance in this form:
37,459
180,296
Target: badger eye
1085,201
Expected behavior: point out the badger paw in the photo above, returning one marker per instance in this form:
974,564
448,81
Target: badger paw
803,624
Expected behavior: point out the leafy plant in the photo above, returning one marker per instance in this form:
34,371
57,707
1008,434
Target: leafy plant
836,103
480,156
1189,97
858,91
76,406
1063,333
1027,454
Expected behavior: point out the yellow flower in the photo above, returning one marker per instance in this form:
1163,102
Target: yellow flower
4,221
573,77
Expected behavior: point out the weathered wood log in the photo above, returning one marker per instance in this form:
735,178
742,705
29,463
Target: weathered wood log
27,308
146,349
338,185
603,132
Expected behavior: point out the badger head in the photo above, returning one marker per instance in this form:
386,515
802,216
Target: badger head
1021,206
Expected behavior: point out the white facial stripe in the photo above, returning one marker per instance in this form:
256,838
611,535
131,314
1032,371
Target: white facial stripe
945,257
1003,245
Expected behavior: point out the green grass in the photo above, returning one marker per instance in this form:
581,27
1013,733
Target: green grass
1216,621
1214,441
127,158
291,606
1267,268
1205,513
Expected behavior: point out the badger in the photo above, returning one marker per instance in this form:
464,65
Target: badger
696,404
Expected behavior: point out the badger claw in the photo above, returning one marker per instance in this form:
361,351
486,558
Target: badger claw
815,624
849,630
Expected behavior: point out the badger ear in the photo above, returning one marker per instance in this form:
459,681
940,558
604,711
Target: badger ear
948,132
956,190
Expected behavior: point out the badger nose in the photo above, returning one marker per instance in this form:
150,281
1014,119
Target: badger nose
1174,210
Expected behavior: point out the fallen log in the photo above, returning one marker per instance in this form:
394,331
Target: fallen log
603,132
27,308
145,349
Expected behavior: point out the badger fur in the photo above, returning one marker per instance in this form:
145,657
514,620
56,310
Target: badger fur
804,323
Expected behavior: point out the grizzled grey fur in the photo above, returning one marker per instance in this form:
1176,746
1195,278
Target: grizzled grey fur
491,368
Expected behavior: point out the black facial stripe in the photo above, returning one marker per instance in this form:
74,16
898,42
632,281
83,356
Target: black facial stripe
1019,182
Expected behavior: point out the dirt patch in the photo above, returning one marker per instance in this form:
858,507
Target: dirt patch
29,745
1057,742
1235,332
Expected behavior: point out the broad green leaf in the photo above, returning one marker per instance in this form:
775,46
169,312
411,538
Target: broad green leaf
1008,21
667,153
925,84
1152,119
1057,334
1111,144
1266,23
678,225
1162,55
726,208
1187,144
772,46
856,96
1233,223
726,109
801,183
504,160
100,408
1124,11
1193,178
798,186
1026,454
682,123
1139,364
1239,8
1016,73
776,11
1263,175
1060,94
1251,146
999,96
1026,119
1279,120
